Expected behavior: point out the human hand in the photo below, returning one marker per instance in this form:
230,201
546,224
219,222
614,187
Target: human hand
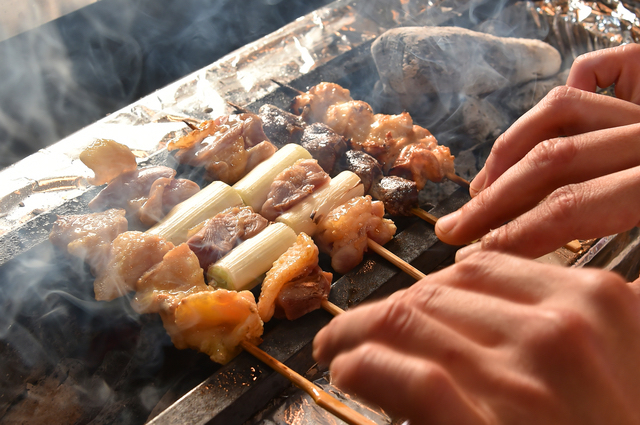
567,169
495,339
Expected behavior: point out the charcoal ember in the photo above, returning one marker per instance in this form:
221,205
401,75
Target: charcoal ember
414,61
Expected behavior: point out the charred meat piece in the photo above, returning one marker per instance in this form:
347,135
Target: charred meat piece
165,193
292,186
224,146
280,126
126,190
303,295
220,234
108,159
397,194
130,256
298,266
323,144
363,164
343,233
89,236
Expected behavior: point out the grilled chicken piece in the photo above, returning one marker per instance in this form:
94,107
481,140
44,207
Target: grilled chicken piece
130,256
108,159
165,193
344,232
225,146
421,164
324,144
89,236
220,234
160,289
194,314
393,140
312,106
215,322
292,186
280,126
296,273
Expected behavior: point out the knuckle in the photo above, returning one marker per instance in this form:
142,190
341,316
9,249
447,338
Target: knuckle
553,328
564,203
560,98
553,154
433,378
606,288
394,320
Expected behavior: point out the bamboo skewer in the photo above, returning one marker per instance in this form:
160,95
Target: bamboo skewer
321,398
395,260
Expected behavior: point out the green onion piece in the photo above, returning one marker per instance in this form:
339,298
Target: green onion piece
254,187
244,267
305,216
211,200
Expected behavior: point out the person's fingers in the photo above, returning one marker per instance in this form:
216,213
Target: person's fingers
548,166
565,111
416,388
397,325
602,68
596,208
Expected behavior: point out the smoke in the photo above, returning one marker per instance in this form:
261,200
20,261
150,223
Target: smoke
68,73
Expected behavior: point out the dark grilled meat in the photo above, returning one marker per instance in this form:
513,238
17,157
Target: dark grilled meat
398,195
364,165
324,144
280,126
303,295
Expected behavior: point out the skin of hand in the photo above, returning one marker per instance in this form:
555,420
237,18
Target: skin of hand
495,339
567,169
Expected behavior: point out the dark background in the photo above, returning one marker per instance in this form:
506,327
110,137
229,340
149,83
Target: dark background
70,72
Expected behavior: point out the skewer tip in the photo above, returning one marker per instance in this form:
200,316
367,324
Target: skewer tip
458,180
287,86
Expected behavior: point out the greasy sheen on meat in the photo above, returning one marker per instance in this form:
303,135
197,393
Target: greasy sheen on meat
131,255
312,106
108,159
421,164
126,190
161,288
89,236
223,232
292,186
324,144
343,233
364,165
297,269
394,140
165,193
281,127
228,147
397,194
215,322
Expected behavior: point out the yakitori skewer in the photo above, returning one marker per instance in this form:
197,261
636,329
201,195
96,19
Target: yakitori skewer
321,398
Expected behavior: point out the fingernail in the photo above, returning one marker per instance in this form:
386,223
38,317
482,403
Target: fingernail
448,222
477,184
465,252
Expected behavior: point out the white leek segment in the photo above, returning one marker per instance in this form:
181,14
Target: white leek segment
244,267
305,216
211,200
254,187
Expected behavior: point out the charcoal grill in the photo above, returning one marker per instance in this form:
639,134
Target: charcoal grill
113,366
